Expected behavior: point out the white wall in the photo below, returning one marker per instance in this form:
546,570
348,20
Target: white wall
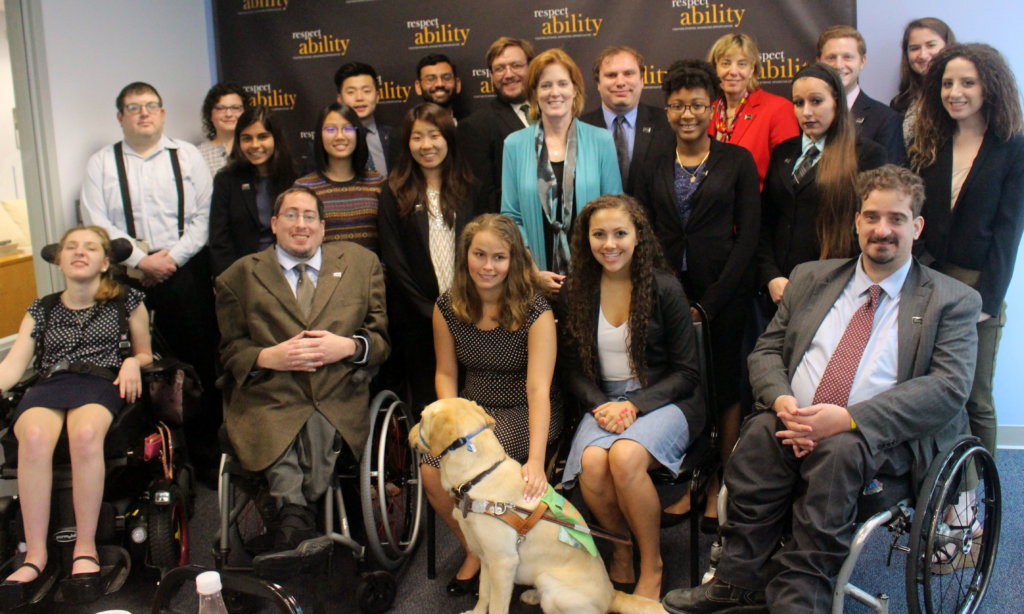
998,24
93,49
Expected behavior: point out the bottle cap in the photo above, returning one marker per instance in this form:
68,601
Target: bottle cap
208,583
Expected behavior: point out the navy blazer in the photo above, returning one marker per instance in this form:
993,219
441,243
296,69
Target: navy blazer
481,141
405,250
877,122
982,232
654,139
722,231
234,219
672,371
788,211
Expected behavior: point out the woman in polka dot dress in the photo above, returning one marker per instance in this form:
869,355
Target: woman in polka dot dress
496,325
82,331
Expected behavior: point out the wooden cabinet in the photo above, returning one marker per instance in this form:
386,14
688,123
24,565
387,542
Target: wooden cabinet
17,290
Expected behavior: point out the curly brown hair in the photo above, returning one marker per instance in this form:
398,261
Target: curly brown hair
1000,101
521,285
584,285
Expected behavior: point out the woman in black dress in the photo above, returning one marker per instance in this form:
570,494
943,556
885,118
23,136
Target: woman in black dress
705,205
81,328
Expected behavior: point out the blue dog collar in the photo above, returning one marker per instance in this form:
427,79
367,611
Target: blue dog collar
458,443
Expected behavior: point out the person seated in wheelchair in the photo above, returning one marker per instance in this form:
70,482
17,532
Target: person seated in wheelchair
636,377
87,374
301,322
867,366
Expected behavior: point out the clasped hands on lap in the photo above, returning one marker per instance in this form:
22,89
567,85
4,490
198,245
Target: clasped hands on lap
615,416
806,426
306,351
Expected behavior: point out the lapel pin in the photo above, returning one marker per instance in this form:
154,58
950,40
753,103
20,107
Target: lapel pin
748,116
917,319
337,274
647,130
246,186
860,120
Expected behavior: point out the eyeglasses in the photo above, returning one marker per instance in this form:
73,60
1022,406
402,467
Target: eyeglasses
446,77
503,68
346,130
134,108
309,217
233,108
678,107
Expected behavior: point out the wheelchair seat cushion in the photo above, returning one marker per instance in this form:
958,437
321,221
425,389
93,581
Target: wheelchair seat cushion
68,391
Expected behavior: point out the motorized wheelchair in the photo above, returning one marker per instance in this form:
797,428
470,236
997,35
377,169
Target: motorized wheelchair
950,552
387,484
149,485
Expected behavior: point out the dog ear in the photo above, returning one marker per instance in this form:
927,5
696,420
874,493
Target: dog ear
414,439
444,426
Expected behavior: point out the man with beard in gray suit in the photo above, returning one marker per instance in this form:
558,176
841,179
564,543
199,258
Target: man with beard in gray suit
865,368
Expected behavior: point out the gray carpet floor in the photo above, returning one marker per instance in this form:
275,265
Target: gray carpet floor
417,594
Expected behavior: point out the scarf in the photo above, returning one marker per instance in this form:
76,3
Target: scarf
546,188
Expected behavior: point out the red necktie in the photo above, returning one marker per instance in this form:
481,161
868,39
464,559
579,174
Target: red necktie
837,380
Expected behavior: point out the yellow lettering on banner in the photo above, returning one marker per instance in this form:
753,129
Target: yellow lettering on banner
715,14
486,88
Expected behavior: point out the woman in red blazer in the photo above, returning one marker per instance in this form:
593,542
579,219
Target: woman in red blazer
747,115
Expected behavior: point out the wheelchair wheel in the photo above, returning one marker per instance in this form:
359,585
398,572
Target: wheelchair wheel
952,554
390,487
168,532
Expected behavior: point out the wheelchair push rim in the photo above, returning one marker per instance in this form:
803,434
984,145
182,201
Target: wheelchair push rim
392,491
937,583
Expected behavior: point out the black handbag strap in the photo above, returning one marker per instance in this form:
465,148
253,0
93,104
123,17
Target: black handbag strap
126,198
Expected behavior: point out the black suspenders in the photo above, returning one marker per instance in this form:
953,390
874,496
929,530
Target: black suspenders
126,198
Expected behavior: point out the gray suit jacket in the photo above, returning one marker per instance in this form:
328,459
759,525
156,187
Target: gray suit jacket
937,351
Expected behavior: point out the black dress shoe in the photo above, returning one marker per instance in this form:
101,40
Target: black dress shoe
14,594
715,596
469,586
84,587
670,519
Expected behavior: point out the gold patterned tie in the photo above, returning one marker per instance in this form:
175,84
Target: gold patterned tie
304,289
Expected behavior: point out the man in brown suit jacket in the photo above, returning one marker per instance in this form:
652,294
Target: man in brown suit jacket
301,324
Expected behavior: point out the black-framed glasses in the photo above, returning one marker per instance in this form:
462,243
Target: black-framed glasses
678,107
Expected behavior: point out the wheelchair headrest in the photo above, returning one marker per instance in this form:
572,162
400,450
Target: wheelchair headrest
120,249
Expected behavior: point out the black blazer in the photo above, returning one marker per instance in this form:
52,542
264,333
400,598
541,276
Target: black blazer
877,122
405,250
654,138
982,232
234,219
387,143
722,232
482,141
788,212
672,372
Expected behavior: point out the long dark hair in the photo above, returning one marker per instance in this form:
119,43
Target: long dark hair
520,287
1000,101
213,96
362,151
281,166
910,80
836,176
406,180
584,285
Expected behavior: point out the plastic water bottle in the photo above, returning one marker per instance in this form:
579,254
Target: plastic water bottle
210,600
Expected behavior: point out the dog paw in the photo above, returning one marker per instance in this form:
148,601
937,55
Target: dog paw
530,597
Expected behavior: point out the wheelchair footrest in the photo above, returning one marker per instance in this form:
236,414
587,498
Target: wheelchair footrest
115,567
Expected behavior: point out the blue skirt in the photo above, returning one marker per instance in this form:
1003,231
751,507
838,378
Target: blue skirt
70,390
663,432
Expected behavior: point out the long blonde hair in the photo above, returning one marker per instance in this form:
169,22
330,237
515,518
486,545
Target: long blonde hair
520,287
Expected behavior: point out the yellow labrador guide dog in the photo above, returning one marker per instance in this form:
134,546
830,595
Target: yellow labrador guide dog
568,579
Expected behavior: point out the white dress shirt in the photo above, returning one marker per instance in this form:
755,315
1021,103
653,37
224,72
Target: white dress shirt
879,364
629,124
154,197
288,262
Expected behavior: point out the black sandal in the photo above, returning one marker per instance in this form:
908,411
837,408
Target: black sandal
15,594
84,587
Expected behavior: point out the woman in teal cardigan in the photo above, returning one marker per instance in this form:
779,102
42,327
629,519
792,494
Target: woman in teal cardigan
538,159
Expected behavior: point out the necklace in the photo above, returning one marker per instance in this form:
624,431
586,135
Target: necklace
82,316
696,171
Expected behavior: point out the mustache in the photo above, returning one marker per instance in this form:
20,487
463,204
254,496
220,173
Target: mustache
891,240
